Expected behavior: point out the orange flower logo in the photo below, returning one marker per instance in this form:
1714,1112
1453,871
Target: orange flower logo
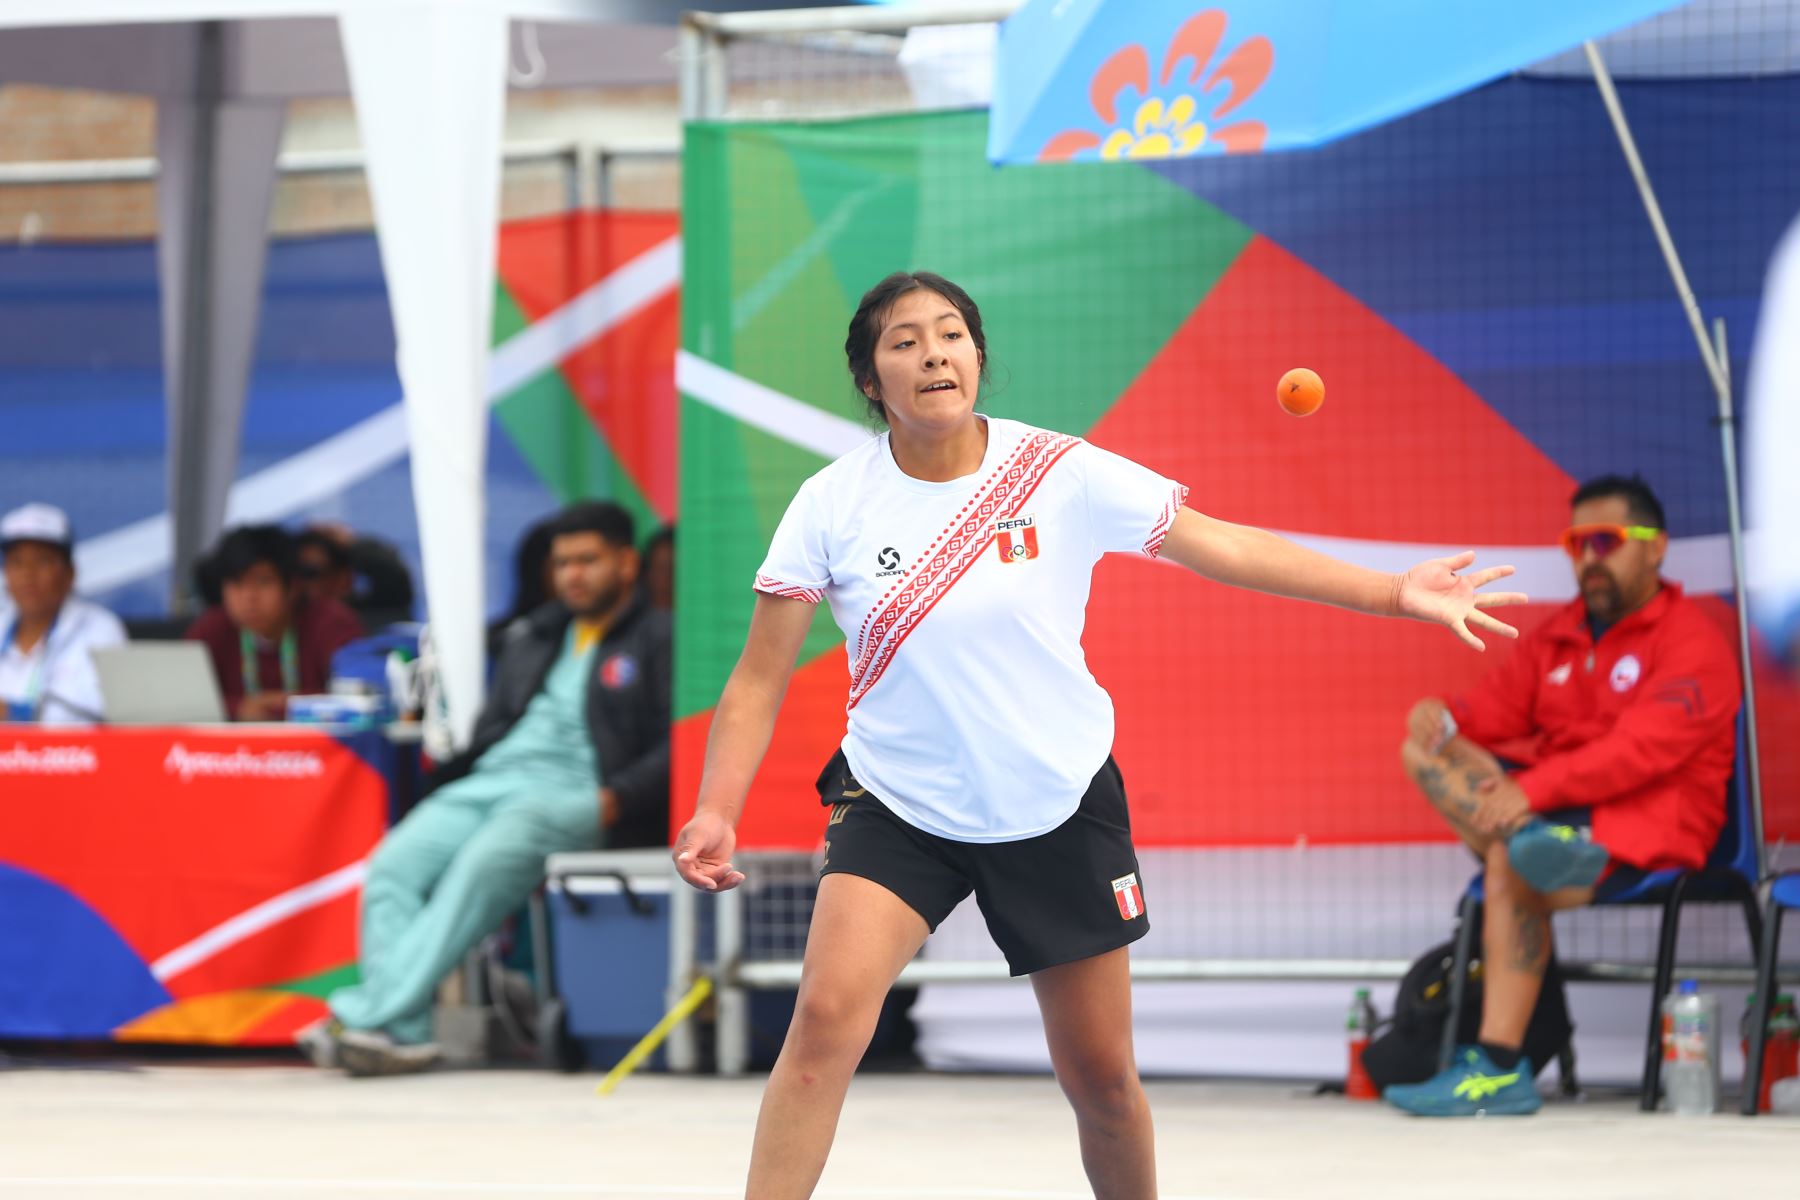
1168,124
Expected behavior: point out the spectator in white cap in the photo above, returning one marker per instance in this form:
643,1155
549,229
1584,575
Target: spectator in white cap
46,672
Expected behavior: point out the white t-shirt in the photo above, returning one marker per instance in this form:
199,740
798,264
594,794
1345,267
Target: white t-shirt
972,714
57,678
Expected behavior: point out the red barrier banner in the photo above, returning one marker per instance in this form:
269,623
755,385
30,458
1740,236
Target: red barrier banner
181,885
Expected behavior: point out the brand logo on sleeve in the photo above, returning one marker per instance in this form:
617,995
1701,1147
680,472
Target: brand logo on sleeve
1129,895
1016,539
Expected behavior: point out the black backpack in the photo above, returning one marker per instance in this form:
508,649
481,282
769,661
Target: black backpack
1406,1047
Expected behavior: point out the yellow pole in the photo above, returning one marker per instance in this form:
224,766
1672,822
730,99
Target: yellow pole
696,996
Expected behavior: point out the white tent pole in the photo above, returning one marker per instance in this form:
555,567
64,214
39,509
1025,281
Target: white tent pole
214,185
1718,368
430,88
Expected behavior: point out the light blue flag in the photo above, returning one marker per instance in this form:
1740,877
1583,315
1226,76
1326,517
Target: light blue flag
1088,79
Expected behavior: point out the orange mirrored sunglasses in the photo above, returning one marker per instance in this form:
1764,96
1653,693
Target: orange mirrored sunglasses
1603,538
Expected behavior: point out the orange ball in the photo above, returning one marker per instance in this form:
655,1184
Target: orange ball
1300,392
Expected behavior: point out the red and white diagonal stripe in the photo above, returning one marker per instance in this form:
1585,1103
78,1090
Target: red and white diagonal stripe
949,557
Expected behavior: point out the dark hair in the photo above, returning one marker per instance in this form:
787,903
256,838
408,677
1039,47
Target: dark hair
337,555
532,552
611,521
1640,501
877,303
247,546
662,537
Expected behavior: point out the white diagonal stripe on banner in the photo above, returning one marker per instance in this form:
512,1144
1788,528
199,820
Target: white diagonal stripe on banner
252,921
608,303
376,442
764,408
1699,564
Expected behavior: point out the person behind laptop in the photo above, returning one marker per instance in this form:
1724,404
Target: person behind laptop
571,752
46,632
362,573
267,639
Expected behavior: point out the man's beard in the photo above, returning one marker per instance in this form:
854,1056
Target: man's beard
603,603
1603,603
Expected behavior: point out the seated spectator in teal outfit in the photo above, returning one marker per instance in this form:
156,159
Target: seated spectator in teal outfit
571,752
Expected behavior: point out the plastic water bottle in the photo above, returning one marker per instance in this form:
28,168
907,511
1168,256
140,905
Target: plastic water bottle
1784,1097
1781,1044
1358,1029
1690,1028
1781,1047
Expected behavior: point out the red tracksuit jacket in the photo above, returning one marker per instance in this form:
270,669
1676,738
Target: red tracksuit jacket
1639,727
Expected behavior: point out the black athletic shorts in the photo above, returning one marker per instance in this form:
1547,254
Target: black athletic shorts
1056,898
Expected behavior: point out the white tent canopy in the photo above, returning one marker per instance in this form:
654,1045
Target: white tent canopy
221,71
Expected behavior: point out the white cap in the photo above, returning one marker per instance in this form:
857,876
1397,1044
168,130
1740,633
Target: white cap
36,523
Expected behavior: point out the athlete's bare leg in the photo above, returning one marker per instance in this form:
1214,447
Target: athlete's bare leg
1515,939
1450,779
860,937
1087,1021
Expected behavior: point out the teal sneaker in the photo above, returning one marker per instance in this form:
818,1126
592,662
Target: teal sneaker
1471,1086
1549,857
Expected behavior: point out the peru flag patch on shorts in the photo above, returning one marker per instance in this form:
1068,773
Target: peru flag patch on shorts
1129,896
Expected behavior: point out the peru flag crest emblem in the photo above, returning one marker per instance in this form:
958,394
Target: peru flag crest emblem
1129,895
1016,539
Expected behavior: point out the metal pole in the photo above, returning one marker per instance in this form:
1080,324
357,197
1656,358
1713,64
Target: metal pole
852,18
1739,585
1628,144
571,164
684,940
603,177
731,1030
187,465
1719,370
703,84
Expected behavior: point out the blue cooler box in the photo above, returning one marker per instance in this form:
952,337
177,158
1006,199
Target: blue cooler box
609,934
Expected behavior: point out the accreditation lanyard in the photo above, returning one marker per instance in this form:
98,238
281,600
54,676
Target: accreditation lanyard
27,709
290,663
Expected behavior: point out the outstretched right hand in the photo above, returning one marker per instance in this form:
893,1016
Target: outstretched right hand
703,853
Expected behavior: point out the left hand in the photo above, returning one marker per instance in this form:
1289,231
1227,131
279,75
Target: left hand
1433,591
1504,806
609,808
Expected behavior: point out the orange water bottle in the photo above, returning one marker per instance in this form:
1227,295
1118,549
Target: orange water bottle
1358,1028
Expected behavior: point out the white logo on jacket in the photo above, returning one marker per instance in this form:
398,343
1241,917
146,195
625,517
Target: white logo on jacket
1625,673
1560,675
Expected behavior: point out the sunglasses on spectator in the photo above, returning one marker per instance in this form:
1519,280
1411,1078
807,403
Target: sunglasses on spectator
1603,539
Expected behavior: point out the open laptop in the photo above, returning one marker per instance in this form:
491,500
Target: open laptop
159,683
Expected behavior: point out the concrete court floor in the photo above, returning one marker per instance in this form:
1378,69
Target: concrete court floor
234,1130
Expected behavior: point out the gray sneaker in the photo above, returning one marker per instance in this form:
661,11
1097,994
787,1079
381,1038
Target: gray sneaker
319,1042
365,1053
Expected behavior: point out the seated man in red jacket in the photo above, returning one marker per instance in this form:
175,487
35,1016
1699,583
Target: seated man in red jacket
1625,703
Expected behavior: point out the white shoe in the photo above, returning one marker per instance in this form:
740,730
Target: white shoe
366,1052
319,1041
